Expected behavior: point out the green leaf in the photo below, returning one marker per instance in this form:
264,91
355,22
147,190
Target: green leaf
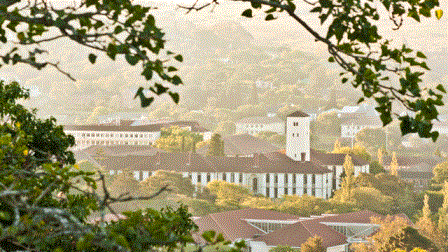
441,88
247,13
179,58
92,58
132,60
255,5
270,17
172,69
439,14
174,96
421,55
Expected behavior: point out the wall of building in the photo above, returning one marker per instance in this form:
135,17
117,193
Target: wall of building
273,185
255,128
298,138
88,138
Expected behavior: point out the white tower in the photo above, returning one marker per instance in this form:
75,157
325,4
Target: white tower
298,136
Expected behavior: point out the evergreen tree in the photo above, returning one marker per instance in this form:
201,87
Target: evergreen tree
427,227
348,181
313,244
216,146
443,211
380,156
394,165
337,145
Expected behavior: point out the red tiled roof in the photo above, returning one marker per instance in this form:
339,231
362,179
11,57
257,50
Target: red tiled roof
296,234
335,158
149,127
233,226
122,150
193,162
243,145
298,113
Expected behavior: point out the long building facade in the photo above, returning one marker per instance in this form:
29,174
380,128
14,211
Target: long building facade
125,132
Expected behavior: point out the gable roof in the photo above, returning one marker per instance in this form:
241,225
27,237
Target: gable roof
122,150
136,126
335,158
296,234
233,224
298,113
193,162
243,145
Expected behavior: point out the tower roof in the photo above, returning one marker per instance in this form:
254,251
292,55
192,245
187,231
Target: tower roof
298,113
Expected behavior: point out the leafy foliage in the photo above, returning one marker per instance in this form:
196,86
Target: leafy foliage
43,208
115,28
177,139
216,146
370,61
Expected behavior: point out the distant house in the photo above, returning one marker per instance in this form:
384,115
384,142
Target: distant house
415,170
255,125
335,163
266,229
126,132
243,145
352,125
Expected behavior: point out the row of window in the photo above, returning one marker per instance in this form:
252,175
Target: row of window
311,192
130,135
106,142
234,178
313,178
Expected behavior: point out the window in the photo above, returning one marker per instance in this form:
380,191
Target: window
294,190
267,192
232,177
313,180
276,178
241,178
208,177
224,177
303,156
294,179
267,177
286,178
275,192
199,178
305,178
286,191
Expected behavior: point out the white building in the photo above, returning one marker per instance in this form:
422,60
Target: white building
123,132
352,125
255,125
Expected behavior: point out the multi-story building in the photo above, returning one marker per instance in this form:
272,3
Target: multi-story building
125,132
